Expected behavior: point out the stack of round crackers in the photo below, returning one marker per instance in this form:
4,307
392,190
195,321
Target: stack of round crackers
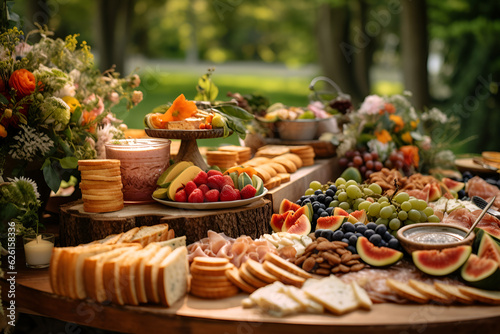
101,185
244,153
305,152
209,280
222,159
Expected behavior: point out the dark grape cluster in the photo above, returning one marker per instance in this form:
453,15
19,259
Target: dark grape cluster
365,162
349,233
320,202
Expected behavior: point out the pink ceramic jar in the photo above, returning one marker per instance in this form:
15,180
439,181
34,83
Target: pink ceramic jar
142,162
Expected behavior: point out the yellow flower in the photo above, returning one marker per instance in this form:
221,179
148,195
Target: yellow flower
383,136
71,102
398,121
407,137
414,124
3,132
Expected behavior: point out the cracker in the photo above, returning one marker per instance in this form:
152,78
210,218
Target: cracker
290,166
99,162
197,269
283,275
103,206
249,278
273,182
270,170
277,167
102,172
255,268
214,293
293,157
200,283
262,173
211,261
234,276
104,197
406,291
109,185
94,177
284,177
286,265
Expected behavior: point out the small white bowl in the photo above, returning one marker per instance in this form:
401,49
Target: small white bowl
303,129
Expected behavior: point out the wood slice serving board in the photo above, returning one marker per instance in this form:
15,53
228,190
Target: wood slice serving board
77,226
194,315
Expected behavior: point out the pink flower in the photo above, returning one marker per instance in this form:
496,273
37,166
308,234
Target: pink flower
426,143
135,81
22,49
99,106
114,97
136,97
318,109
372,105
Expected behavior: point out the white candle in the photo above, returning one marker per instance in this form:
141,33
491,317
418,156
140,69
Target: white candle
38,251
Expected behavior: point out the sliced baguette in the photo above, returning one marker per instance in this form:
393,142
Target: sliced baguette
127,236
148,234
173,276
430,292
453,292
174,242
406,291
336,296
255,268
286,265
283,275
140,283
151,274
113,283
483,296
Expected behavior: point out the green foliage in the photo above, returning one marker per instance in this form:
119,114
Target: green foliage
207,90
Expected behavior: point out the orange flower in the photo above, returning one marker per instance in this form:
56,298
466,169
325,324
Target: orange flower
3,132
410,153
414,124
179,110
383,136
406,137
23,81
389,108
398,121
88,117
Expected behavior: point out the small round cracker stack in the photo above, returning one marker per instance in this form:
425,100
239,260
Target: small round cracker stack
244,153
101,185
305,152
222,159
209,280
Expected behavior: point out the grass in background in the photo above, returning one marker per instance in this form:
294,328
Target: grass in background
162,88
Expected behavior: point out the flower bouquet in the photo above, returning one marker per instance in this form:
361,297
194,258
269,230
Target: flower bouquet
55,107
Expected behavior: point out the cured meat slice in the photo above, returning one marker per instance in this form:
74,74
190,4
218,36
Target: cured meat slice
479,187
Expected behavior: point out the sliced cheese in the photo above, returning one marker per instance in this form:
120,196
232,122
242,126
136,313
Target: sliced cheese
173,277
336,296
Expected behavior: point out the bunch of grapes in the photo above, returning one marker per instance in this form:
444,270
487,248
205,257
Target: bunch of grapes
366,162
396,160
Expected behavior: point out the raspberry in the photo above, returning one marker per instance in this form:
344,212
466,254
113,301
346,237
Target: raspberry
228,180
228,193
180,196
213,172
196,196
248,191
212,195
201,178
204,188
189,187
215,182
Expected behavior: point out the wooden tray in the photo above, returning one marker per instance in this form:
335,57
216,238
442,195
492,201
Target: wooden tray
468,164
194,315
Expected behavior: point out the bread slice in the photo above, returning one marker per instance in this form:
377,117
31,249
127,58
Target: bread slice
453,292
283,275
336,296
484,296
93,275
406,291
256,269
430,291
173,242
151,274
53,269
286,265
148,234
113,283
128,273
127,236
140,280
173,276
250,278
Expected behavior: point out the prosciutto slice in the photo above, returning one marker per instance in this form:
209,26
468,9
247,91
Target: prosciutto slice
479,187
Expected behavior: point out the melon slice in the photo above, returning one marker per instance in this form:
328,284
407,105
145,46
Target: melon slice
489,249
340,212
441,262
481,272
278,219
330,223
377,256
287,205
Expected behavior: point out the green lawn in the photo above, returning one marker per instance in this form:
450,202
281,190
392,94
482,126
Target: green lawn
163,88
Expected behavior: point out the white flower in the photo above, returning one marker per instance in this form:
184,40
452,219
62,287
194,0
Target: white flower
136,97
22,49
426,143
372,105
24,179
105,134
29,144
68,90
75,75
114,97
56,112
435,115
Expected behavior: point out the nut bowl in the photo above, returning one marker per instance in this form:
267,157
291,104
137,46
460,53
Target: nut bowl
302,129
426,236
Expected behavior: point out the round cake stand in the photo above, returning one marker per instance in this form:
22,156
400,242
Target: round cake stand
188,150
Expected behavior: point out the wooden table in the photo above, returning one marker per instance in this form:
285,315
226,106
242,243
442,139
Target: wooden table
194,315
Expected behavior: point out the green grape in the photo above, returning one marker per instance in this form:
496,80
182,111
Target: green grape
386,212
334,203
394,233
409,222
364,205
341,187
351,183
401,197
384,204
418,204
354,192
414,215
339,182
343,196
367,192
406,206
402,215
315,185
394,214
356,203
428,211
382,221
394,224
383,199
433,219
375,188
338,192
309,192
423,216
345,205
374,209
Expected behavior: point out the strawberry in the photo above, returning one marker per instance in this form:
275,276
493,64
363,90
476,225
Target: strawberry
189,187
180,196
196,196
213,172
215,182
201,178
204,188
228,193
228,180
248,191
212,195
